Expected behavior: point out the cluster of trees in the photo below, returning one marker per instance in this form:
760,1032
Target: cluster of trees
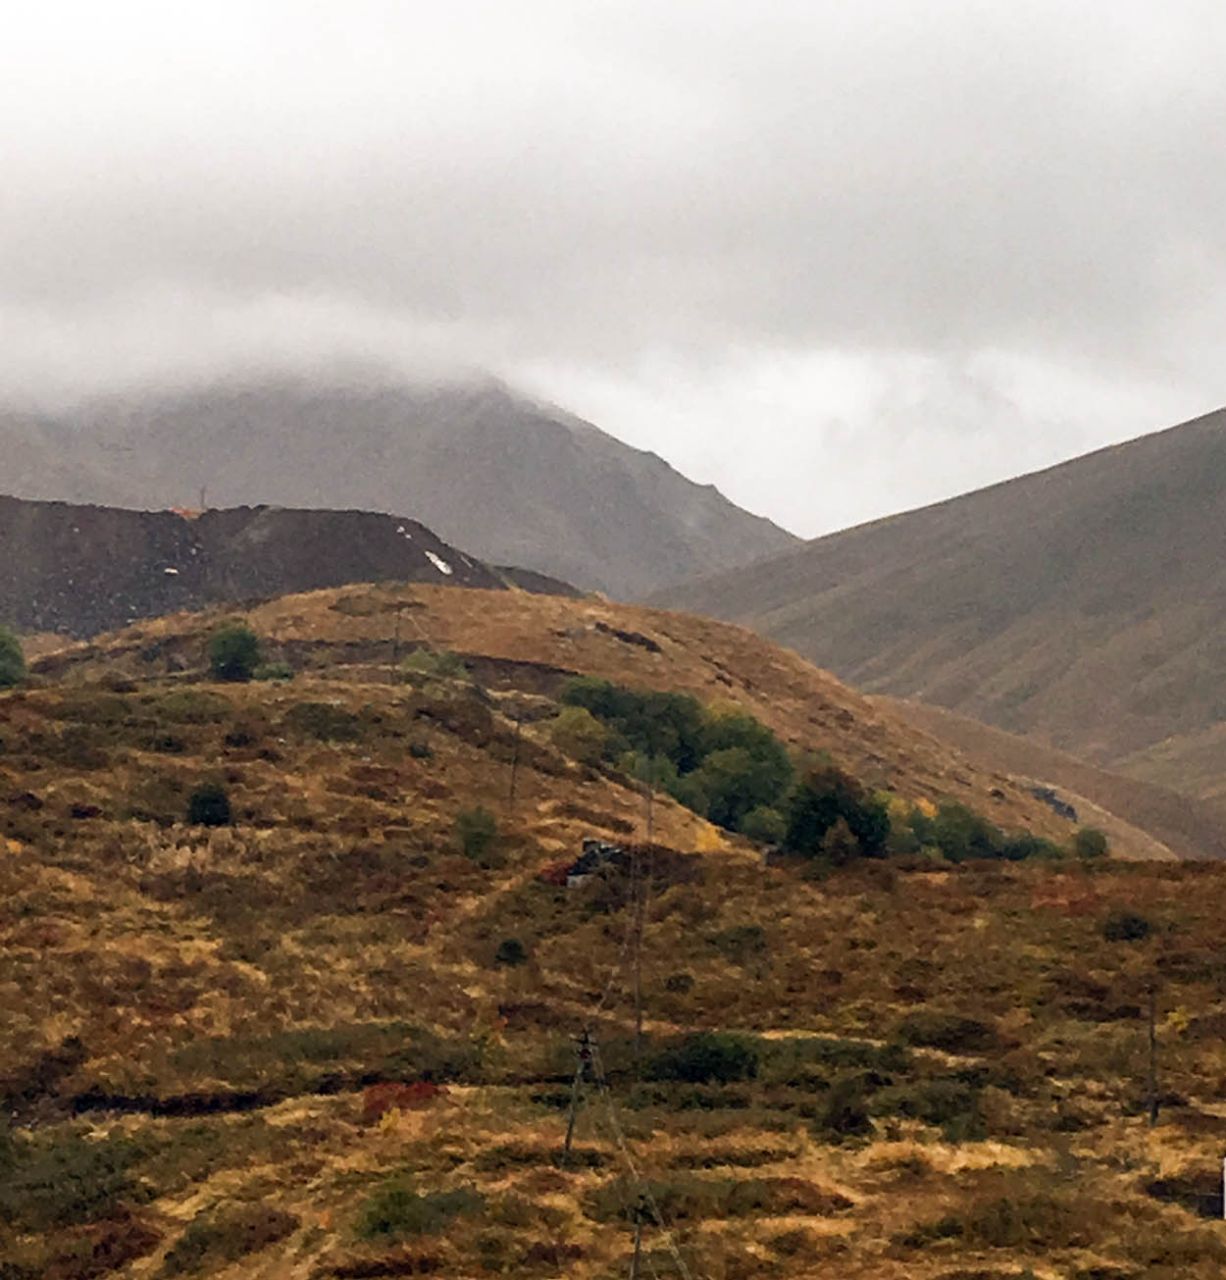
734,771
723,764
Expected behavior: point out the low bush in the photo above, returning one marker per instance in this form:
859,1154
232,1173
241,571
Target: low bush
62,1180
234,652
1090,843
1126,926
396,1209
433,664
844,1112
218,1237
273,671
707,1057
952,1032
693,1199
324,721
476,831
510,953
209,806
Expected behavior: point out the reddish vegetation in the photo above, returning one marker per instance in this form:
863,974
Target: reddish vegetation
555,873
379,1099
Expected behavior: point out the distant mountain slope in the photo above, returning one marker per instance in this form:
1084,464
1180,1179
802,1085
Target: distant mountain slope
78,570
1187,827
1084,605
515,481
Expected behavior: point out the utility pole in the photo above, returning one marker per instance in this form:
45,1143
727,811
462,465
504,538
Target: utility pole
395,643
583,1062
519,728
640,1213
641,881
1153,1053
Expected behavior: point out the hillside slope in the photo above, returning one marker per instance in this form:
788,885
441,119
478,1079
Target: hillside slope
79,570
331,1038
512,480
1083,605
538,640
1188,827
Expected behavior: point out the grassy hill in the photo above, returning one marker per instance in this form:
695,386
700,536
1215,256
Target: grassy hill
898,1068
1082,606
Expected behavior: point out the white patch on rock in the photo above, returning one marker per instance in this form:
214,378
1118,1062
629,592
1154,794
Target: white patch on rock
439,563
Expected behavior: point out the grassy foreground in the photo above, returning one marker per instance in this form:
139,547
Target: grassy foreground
898,1069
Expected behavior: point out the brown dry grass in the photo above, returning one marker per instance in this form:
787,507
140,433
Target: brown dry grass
334,935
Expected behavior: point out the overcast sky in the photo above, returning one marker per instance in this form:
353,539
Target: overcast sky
840,259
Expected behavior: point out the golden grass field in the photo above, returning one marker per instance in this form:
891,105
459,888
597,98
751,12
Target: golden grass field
949,1063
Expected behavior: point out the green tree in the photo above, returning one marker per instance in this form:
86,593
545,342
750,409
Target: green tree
234,652
209,806
578,734
511,953
735,781
960,834
827,794
839,844
12,660
1090,843
765,825
475,832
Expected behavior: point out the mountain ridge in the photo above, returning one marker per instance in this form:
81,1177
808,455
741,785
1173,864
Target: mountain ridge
79,570
511,478
1079,604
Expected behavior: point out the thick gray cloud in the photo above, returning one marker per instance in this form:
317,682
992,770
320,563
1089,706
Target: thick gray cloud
838,258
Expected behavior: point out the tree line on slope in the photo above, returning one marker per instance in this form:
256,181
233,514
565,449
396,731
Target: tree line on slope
733,770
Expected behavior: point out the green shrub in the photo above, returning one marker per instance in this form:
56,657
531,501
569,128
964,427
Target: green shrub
209,806
511,953
12,660
476,830
1090,843
433,664
1126,926
395,1209
191,706
844,1112
63,1180
952,1032
949,1103
323,721
825,795
234,652
961,834
765,825
708,1056
577,733
273,671
218,1237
